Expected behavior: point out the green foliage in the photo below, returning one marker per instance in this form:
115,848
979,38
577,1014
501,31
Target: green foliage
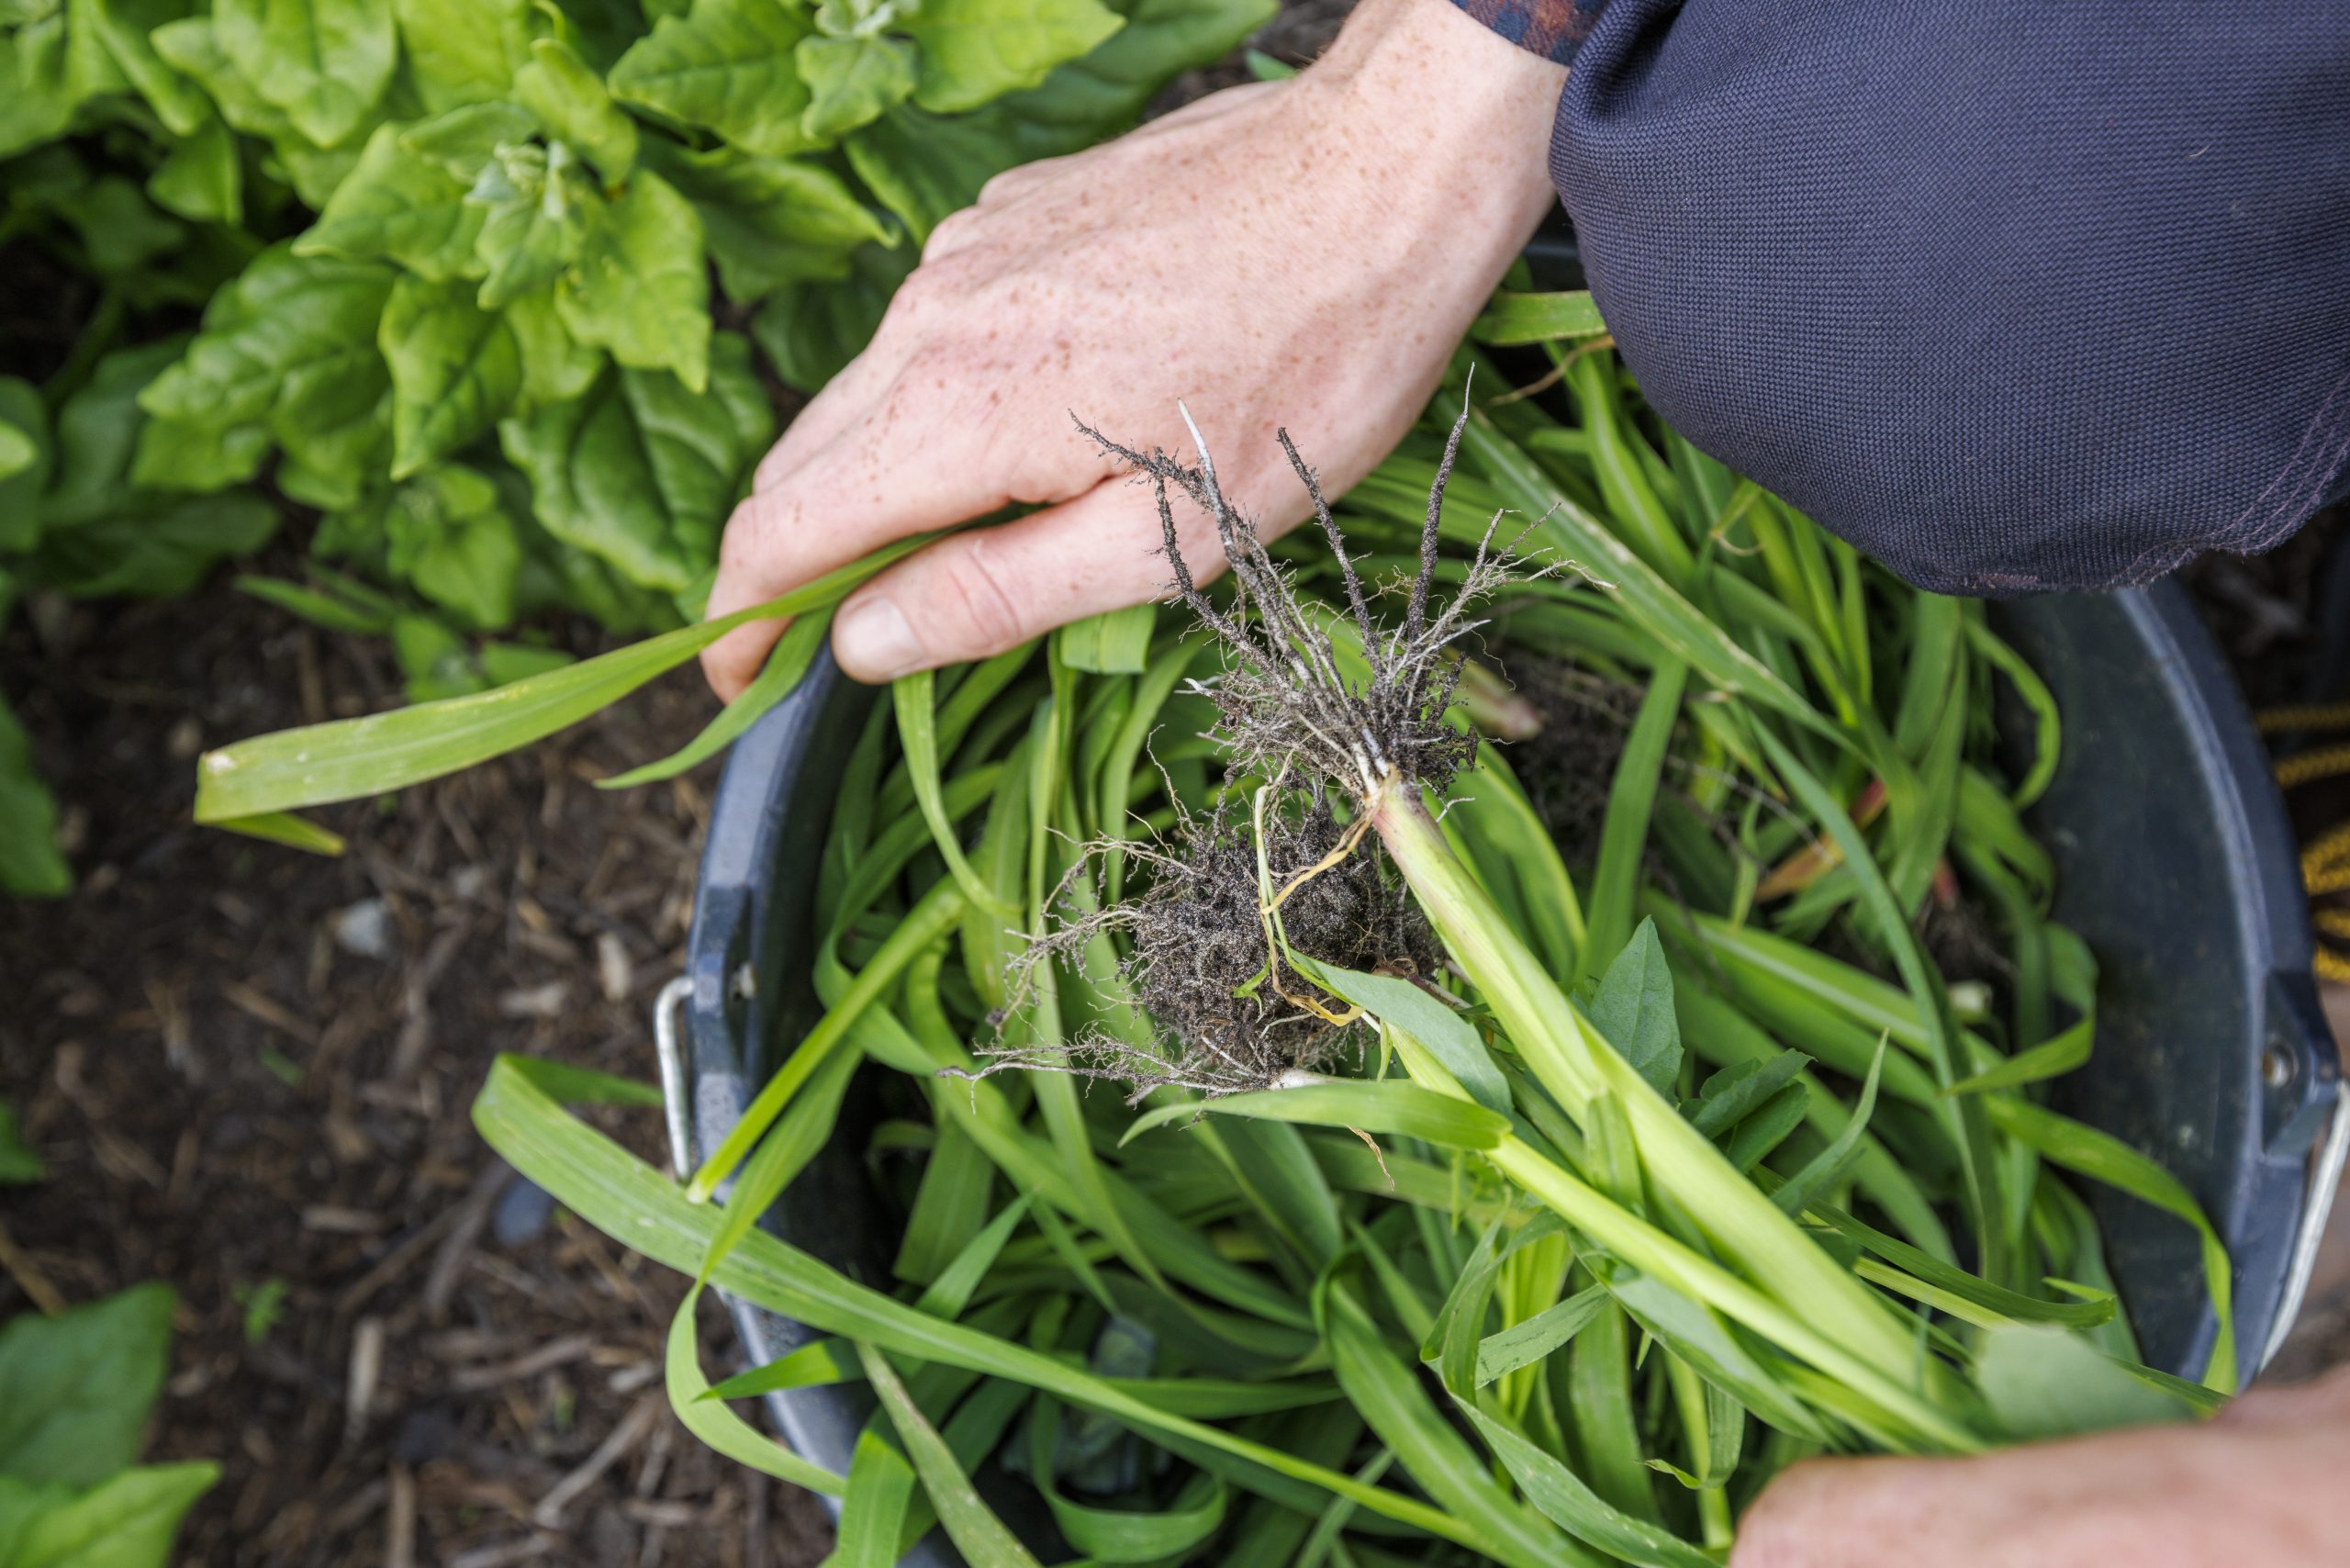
460,265
75,1391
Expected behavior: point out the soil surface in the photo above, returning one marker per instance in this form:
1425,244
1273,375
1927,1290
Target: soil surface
248,1070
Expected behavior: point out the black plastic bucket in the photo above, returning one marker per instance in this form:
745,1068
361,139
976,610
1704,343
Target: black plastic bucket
2173,857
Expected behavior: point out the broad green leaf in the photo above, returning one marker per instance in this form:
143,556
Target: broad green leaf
1445,1033
1512,319
976,50
37,102
641,472
571,103
464,52
154,545
123,27
726,66
1395,1108
465,138
31,864
641,289
812,330
555,365
923,168
128,1520
2048,1383
325,62
853,80
201,177
398,206
769,221
289,326
541,203
119,228
457,371
75,1389
192,47
1633,1010
26,462
446,531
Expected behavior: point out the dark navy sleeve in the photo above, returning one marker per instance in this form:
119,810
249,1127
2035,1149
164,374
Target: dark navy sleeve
2012,294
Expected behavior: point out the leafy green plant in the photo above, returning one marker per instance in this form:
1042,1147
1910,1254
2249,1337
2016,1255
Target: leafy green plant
499,288
75,1392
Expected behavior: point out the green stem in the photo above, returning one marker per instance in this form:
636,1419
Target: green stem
1575,1064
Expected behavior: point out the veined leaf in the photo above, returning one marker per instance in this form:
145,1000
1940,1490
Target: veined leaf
727,66
397,205
639,289
457,371
976,50
325,62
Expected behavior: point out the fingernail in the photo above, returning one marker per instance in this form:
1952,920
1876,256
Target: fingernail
872,635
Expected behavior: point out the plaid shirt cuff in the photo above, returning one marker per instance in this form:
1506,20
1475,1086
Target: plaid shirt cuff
1553,28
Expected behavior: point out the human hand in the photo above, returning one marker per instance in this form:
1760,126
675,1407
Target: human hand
1304,253
2261,1483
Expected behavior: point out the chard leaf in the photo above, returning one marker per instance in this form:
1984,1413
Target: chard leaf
457,371
640,289
464,52
26,459
37,101
640,472
541,203
464,140
976,50
201,178
812,330
555,365
397,205
570,101
75,1389
288,328
324,62
853,80
192,47
770,221
31,864
126,1521
726,66
122,28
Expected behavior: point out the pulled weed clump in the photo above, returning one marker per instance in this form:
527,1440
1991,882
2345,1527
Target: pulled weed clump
1208,953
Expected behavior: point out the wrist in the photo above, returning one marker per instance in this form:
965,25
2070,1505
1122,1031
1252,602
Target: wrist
1445,120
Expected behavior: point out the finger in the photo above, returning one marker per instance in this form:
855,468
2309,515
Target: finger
2327,1399
855,495
987,589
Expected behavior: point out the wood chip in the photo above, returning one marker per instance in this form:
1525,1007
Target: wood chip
365,1375
338,1221
399,1519
248,999
624,1437
553,1353
510,1552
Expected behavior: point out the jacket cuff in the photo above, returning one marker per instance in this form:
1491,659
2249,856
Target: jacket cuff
1553,28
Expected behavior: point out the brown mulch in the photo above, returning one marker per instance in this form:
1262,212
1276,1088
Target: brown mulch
249,1071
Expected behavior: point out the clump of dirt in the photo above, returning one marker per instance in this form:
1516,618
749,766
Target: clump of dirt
1206,958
